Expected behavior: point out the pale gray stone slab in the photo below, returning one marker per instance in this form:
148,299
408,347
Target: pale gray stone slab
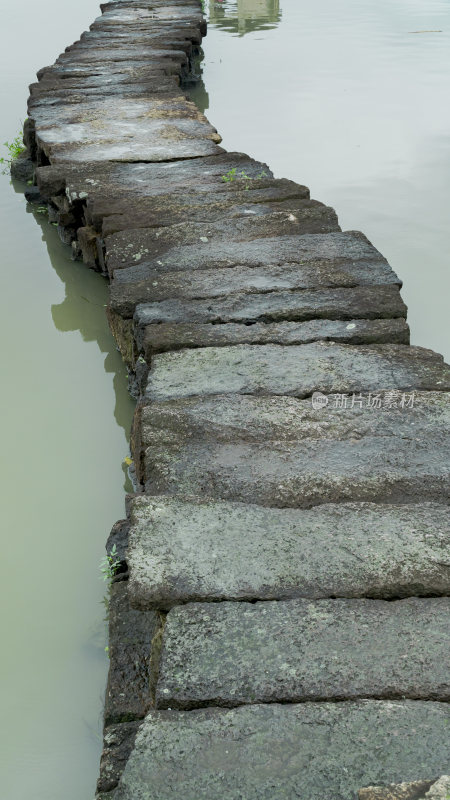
318,751
298,370
181,550
140,130
228,654
280,452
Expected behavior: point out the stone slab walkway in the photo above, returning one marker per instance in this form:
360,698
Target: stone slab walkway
279,624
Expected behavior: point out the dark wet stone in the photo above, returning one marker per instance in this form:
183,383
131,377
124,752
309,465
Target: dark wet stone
22,168
130,636
118,741
186,549
166,336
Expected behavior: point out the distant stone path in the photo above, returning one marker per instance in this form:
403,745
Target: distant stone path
279,628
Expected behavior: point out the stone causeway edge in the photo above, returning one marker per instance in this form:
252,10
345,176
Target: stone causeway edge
278,624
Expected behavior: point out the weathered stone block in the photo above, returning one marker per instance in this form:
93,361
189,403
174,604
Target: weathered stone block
182,550
281,452
227,654
313,750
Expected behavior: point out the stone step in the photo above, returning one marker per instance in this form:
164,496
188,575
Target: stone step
186,202
151,339
298,370
141,130
254,304
281,452
186,549
228,654
313,751
113,180
310,215
136,248
347,259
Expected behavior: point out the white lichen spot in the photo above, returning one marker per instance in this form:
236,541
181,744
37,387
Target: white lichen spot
350,326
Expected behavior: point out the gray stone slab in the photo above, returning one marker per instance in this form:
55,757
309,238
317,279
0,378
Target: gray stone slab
161,338
252,196
228,654
140,130
310,216
186,549
110,180
316,751
280,452
130,636
257,305
347,255
298,370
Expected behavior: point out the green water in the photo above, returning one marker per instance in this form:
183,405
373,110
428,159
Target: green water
64,418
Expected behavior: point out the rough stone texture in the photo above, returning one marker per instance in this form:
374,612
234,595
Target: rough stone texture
418,790
341,258
254,265
227,654
280,452
254,305
140,130
297,370
137,247
312,750
182,550
161,338
130,636
118,741
440,790
22,168
111,180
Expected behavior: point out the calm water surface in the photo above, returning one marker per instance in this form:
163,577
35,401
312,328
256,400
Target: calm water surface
64,415
352,99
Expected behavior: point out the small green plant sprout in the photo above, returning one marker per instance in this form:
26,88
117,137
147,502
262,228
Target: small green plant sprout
233,175
230,175
109,565
41,210
14,148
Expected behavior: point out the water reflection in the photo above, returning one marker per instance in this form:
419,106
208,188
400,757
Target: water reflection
243,16
83,310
